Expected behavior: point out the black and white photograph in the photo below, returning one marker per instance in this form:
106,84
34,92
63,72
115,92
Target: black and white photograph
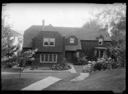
63,47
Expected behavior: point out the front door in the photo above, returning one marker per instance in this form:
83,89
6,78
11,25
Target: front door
70,56
99,53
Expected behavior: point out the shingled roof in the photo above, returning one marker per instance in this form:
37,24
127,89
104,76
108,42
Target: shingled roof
80,33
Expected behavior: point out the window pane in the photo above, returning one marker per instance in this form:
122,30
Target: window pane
55,57
42,57
46,41
46,57
50,57
52,41
72,40
100,41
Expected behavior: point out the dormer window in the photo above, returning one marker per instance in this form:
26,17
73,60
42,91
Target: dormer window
100,41
72,40
45,42
49,42
52,41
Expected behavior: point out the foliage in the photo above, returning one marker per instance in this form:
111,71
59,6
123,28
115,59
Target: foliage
92,25
111,15
23,57
114,20
101,64
61,66
10,62
82,61
8,49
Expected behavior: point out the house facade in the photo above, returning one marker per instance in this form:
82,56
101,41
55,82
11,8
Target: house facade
56,43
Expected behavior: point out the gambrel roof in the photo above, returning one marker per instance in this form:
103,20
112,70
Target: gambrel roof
80,33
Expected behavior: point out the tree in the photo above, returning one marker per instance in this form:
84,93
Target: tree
8,49
114,20
23,57
92,25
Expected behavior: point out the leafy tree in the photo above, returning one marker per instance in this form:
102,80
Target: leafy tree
92,25
114,20
7,48
25,56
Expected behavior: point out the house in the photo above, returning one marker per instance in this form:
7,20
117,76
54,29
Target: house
55,43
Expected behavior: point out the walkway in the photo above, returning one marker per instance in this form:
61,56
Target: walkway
44,83
72,70
81,77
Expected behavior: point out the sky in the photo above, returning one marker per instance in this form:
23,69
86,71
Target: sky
22,16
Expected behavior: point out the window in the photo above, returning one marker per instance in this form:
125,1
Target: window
46,41
49,42
48,58
52,41
100,41
72,40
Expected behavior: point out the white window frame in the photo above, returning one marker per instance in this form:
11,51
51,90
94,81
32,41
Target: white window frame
52,40
72,40
45,40
49,40
44,58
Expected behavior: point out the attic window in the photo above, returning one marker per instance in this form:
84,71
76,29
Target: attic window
100,41
72,40
52,41
49,42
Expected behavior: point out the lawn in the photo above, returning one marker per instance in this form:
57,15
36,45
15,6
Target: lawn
13,82
16,84
109,80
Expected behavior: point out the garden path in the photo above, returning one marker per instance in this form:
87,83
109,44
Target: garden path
44,83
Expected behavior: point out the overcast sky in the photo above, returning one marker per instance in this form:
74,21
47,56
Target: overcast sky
22,16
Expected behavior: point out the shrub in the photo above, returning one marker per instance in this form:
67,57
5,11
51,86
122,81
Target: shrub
98,66
9,64
82,61
87,68
60,66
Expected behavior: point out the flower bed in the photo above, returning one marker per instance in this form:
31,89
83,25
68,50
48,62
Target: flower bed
101,64
61,66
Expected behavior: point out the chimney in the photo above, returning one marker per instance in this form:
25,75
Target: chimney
43,24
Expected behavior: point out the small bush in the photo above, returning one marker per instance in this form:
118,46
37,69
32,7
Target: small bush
98,66
82,61
9,64
60,66
87,68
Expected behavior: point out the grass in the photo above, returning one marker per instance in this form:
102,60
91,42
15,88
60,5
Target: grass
11,70
16,83
13,82
109,80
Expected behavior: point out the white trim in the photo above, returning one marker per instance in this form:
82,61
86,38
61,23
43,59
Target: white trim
48,40
40,58
48,58
52,57
56,58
